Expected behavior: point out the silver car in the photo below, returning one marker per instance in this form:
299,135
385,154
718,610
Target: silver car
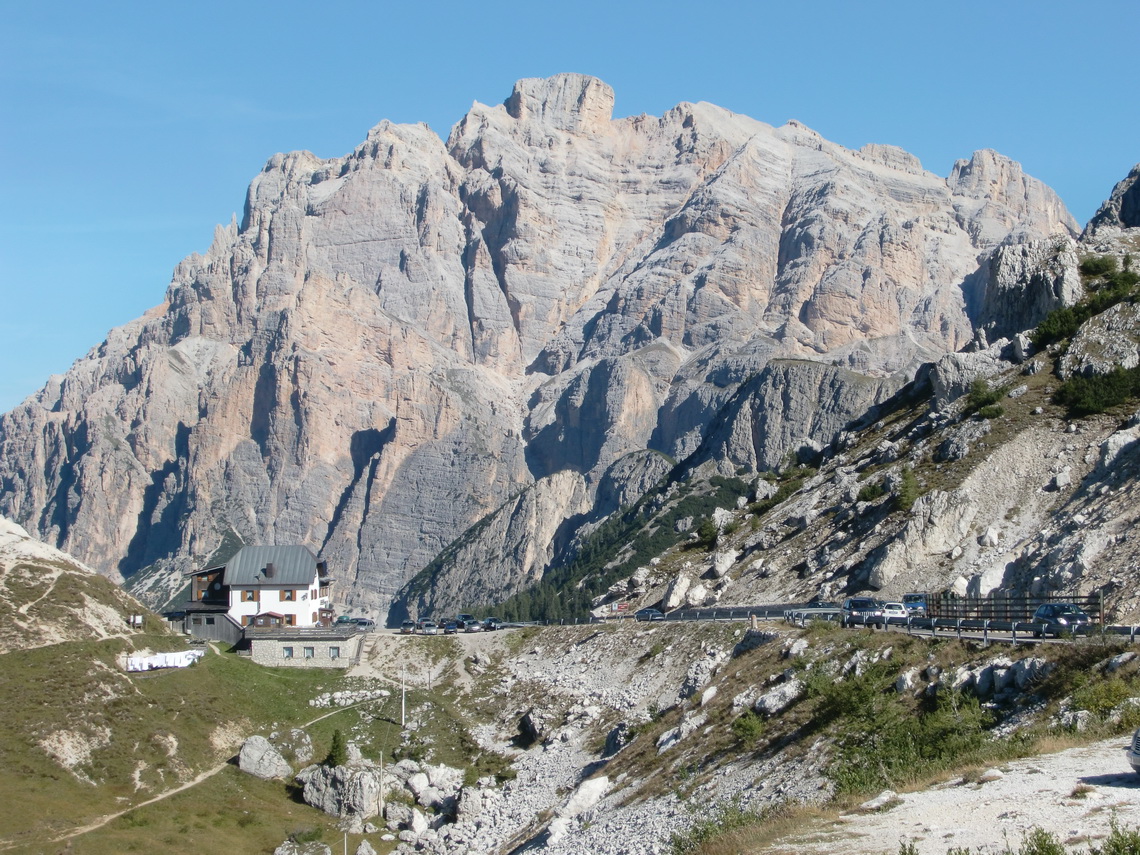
1133,752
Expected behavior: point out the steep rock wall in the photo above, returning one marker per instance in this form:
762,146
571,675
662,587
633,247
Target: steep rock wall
392,343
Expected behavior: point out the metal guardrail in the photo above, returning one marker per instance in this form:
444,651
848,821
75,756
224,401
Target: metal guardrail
301,631
955,627
1016,631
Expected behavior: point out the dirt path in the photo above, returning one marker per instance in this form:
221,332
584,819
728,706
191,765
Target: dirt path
1074,794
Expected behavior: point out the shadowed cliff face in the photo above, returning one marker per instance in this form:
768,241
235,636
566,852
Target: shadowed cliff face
394,343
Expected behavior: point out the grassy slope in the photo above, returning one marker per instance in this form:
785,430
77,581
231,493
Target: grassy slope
148,732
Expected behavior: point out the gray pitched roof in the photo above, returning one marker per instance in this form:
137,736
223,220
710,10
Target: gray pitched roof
292,565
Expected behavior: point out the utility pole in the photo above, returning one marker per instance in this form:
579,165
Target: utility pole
403,696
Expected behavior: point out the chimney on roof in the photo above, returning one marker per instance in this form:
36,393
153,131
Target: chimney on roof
269,570
322,569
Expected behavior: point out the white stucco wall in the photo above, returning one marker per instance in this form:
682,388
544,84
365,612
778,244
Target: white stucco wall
303,607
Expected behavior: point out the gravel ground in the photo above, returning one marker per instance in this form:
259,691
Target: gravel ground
1039,791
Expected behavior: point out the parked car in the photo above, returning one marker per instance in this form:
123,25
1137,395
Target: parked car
407,627
1057,618
915,604
1134,752
649,614
365,624
861,610
450,627
429,627
462,619
895,611
472,626
492,623
345,619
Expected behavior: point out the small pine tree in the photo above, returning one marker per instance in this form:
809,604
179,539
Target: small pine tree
907,492
338,753
707,533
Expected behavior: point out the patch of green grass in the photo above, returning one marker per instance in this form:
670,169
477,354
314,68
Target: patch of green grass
143,733
230,812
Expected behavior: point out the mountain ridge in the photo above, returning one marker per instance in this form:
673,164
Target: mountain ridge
393,343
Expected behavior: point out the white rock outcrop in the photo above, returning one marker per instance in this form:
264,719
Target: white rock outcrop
260,758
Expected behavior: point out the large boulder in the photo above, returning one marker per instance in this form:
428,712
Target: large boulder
939,520
954,374
1109,341
677,593
260,758
777,700
290,847
343,790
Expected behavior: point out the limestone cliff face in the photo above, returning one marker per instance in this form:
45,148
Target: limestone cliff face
392,344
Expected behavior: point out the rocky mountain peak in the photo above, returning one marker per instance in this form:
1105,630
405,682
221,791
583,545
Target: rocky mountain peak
397,343
576,103
1001,197
1122,208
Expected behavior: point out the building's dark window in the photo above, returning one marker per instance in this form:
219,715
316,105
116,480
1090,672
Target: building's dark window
309,652
209,621
334,653
286,652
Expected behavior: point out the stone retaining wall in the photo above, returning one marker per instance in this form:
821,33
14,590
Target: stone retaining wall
305,652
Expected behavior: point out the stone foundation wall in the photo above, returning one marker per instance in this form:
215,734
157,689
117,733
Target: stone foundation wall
275,652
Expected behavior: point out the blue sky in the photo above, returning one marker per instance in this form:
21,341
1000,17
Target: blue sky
129,129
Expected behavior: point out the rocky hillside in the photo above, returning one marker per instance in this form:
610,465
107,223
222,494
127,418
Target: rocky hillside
395,344
1008,466
47,597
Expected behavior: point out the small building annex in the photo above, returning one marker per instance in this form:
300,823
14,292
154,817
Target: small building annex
259,586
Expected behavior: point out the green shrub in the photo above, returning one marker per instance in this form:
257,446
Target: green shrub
908,490
981,395
725,819
707,533
1101,697
1041,842
1058,325
885,742
1085,396
871,492
1098,265
992,411
1120,841
749,727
